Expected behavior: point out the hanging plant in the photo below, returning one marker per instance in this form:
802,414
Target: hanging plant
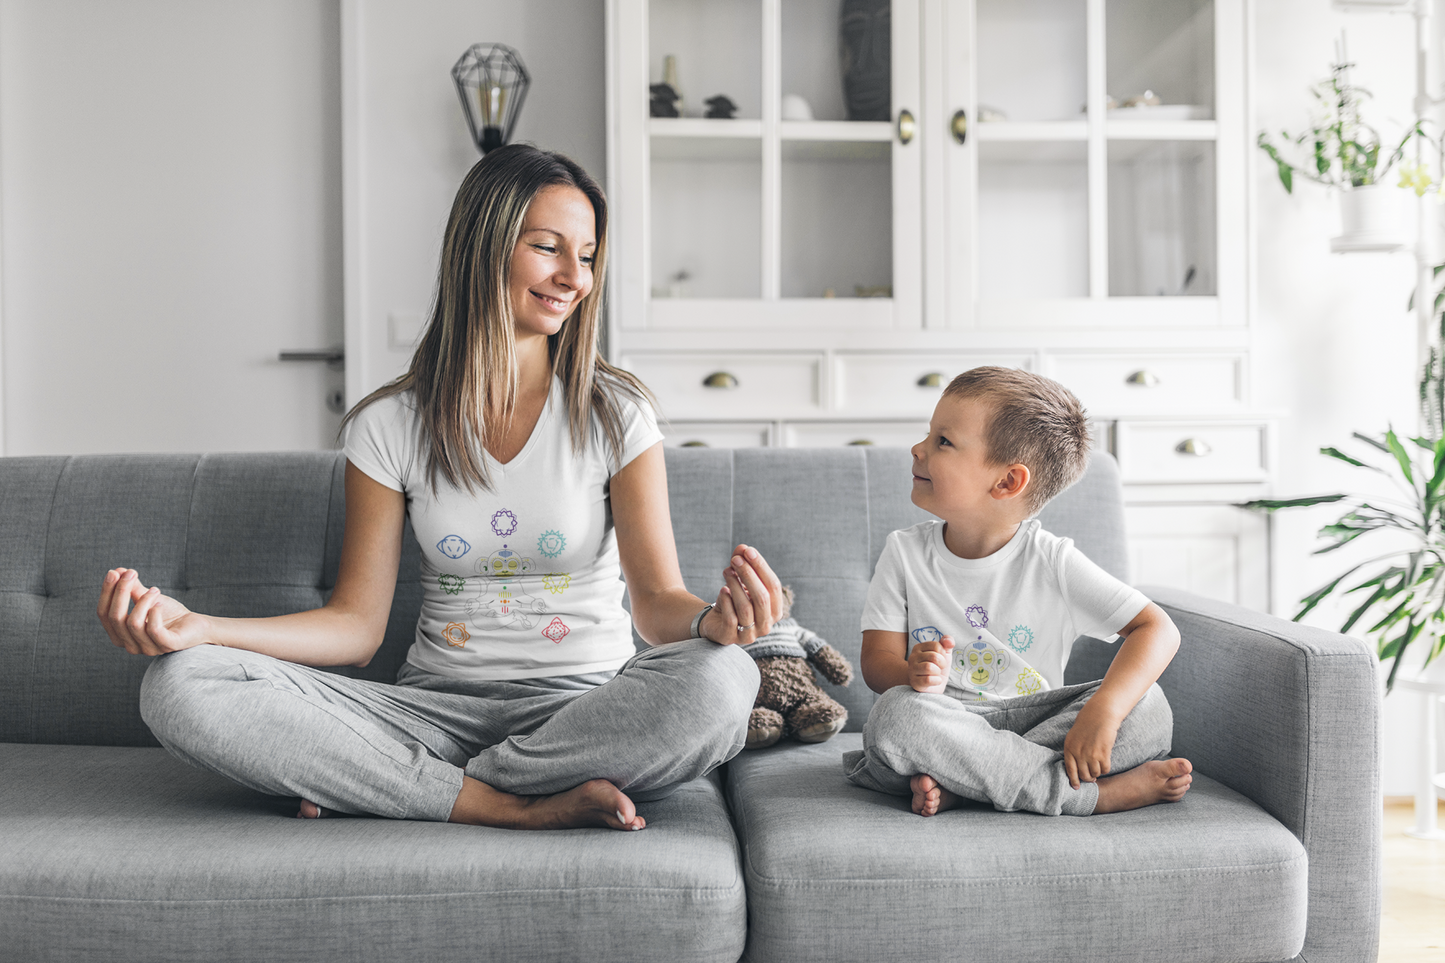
1340,149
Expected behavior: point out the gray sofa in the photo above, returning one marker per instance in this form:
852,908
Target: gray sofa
112,850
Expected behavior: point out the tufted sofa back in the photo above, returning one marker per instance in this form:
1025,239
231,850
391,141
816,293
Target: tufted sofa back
260,534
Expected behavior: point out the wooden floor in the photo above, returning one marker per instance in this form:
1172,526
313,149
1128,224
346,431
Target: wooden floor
1412,929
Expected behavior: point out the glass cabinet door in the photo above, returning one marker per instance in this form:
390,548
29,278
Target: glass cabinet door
1089,183
778,184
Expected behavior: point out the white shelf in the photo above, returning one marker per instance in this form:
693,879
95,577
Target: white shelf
703,127
1161,130
836,130
1007,131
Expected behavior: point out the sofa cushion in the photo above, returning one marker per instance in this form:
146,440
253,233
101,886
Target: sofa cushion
833,871
121,853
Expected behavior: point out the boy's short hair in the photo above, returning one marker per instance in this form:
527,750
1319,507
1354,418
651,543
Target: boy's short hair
1035,422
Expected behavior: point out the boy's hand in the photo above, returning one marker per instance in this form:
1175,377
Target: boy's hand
928,665
1088,746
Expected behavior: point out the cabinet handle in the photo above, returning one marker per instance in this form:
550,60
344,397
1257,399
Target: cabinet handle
1197,447
933,379
720,379
858,442
906,126
1146,379
693,444
959,126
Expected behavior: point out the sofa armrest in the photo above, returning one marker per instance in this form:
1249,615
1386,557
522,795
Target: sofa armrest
1289,716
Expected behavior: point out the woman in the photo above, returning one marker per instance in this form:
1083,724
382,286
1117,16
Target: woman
533,475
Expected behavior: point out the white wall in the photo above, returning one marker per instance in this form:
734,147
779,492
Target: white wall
172,219
414,146
1335,346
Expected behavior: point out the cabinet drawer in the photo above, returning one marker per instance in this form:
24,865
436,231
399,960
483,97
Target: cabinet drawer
1152,384
903,384
716,434
722,386
1191,452
832,434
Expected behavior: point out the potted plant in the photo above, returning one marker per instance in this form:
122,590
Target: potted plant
1341,151
1400,593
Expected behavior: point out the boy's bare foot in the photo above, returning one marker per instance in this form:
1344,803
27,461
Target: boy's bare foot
596,802
929,798
1162,780
309,810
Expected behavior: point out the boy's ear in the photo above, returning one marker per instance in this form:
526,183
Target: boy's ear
1012,482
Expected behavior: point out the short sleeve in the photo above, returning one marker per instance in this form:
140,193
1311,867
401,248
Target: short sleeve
639,431
1101,604
381,441
886,609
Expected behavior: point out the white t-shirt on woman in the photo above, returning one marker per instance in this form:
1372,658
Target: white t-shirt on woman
522,581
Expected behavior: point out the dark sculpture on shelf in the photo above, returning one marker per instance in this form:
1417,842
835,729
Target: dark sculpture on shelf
721,107
864,47
664,101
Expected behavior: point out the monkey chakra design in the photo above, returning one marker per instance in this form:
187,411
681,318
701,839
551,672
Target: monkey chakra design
556,630
504,522
451,584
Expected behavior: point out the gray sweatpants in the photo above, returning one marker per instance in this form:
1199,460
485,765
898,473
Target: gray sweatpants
1008,753
669,715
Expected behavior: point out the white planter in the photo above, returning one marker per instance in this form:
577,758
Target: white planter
1374,218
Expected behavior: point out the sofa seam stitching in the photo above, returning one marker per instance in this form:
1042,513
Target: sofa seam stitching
45,603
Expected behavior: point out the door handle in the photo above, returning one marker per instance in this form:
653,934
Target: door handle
335,357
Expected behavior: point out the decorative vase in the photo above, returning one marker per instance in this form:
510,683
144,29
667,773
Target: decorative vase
1373,218
865,51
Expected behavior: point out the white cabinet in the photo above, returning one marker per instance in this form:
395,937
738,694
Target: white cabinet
1057,185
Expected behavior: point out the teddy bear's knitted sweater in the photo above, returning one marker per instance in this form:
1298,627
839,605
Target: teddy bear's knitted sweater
788,638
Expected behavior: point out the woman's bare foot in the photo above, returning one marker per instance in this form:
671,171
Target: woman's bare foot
929,798
596,802
1162,780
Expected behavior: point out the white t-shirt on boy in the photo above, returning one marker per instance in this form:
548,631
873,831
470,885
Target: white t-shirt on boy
1013,615
522,581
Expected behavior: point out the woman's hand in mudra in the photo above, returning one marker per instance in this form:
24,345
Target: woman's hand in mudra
143,621
749,603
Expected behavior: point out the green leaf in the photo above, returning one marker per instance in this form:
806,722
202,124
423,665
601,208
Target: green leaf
1336,453
1317,596
1401,456
1355,616
1370,441
1275,504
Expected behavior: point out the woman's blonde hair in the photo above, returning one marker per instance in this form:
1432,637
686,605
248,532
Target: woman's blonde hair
465,366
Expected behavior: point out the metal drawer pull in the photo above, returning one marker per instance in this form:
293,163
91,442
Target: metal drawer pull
958,127
860,441
336,357
720,379
906,126
1197,447
933,379
1147,379
693,444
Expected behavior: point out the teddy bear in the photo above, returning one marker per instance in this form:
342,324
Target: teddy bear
790,701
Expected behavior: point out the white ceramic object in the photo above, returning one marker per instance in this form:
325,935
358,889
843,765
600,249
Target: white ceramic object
1373,218
796,107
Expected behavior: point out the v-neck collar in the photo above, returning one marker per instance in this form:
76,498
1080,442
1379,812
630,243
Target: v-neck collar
537,431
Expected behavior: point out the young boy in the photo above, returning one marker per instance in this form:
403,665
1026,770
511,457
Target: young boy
992,604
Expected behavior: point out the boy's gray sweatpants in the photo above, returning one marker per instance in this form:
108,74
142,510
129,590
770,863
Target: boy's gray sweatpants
669,715
1008,753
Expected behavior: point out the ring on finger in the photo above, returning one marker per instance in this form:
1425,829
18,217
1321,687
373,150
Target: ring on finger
744,628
